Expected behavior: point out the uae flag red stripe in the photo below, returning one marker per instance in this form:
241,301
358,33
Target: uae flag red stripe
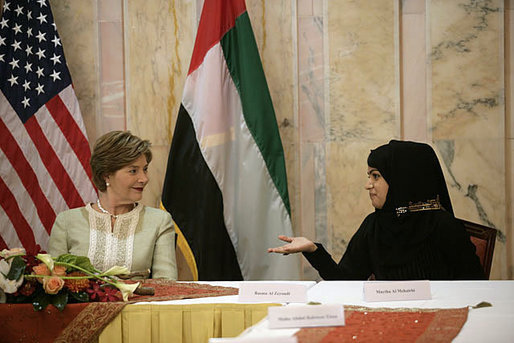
220,16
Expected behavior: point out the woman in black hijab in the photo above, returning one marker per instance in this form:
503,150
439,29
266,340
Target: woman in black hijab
412,235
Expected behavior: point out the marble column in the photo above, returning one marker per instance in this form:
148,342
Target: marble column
467,111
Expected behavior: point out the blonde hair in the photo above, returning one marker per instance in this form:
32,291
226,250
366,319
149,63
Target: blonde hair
115,150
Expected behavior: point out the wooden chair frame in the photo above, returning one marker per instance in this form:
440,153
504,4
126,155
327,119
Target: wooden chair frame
488,234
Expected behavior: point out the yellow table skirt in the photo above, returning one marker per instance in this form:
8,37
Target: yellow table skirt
182,323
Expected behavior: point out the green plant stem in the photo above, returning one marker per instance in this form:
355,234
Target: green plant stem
99,277
62,277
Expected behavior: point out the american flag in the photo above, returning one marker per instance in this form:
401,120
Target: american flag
44,151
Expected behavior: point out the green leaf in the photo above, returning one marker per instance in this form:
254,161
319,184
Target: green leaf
79,261
60,300
17,268
41,301
82,297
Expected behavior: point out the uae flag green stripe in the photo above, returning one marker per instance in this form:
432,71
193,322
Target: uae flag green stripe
244,64
226,185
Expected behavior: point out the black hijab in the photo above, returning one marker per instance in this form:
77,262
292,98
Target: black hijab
413,174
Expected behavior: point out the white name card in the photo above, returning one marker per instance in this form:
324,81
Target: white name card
305,316
272,292
278,339
397,290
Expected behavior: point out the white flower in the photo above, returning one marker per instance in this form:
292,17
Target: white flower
46,259
12,252
8,286
127,289
116,270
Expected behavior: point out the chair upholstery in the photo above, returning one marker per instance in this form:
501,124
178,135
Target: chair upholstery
483,238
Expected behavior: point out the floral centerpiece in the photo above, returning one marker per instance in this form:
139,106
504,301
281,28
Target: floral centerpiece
40,279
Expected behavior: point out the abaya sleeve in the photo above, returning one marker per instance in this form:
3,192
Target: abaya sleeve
355,263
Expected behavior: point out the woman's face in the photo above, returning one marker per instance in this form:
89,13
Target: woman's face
126,184
377,187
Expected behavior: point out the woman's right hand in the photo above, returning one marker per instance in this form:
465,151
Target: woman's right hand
294,245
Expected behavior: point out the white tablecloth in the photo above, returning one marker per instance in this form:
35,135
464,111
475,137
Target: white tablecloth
490,324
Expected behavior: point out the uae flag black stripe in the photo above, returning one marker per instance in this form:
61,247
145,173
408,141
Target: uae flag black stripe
193,196
226,184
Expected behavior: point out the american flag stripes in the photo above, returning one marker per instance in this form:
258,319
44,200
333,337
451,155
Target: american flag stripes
44,151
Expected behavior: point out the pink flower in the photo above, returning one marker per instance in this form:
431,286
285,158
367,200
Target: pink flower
41,269
53,284
59,271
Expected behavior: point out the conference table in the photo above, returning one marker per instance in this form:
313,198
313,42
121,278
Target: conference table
198,319
189,320
485,324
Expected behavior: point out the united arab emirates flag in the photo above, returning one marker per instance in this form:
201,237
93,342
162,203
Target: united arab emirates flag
225,184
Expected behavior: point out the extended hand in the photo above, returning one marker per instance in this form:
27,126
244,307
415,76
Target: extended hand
294,245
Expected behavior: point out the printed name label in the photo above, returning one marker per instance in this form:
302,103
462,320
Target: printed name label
305,316
397,290
276,292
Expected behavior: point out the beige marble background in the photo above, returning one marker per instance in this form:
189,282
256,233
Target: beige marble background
345,76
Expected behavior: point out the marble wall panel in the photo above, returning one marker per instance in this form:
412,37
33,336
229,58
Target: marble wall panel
364,105
76,23
466,40
112,83
159,37
509,81
413,71
110,10
467,109
311,129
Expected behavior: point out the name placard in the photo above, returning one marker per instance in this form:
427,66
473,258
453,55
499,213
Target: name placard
397,290
281,317
272,292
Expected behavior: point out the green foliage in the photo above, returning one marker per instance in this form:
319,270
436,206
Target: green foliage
41,300
79,261
17,268
59,300
81,297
